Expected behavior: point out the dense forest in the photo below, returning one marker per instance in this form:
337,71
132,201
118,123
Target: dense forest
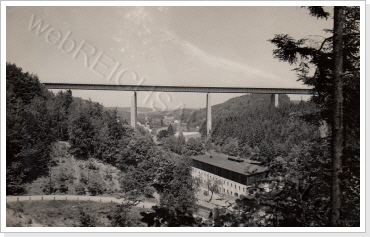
37,122
249,126
332,67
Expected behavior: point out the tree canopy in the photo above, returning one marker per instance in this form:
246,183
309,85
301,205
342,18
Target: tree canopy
338,97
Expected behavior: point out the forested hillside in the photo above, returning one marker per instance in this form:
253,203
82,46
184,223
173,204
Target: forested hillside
249,125
101,154
37,118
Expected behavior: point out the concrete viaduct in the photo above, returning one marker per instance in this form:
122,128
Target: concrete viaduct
195,89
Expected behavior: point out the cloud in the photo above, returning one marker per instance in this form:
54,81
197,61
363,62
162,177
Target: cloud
215,61
141,25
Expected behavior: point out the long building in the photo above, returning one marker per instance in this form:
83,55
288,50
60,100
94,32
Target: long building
234,175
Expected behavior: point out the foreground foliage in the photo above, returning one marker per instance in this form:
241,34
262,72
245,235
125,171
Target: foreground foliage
70,214
335,63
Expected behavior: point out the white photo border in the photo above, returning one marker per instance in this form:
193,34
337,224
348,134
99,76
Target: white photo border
5,229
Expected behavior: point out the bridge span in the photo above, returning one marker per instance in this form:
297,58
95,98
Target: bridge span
194,89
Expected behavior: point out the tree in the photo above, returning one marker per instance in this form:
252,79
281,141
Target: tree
181,139
125,122
81,128
337,131
86,219
134,150
162,134
29,128
246,212
170,131
213,186
208,146
231,147
60,110
96,184
173,144
301,187
135,184
177,199
194,147
109,132
121,216
335,61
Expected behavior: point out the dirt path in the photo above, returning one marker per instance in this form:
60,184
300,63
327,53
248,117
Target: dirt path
144,204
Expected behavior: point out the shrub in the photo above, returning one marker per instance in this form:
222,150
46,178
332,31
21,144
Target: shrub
121,216
80,189
86,219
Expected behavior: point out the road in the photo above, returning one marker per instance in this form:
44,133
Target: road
144,204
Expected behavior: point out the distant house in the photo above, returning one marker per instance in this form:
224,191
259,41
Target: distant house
235,175
145,126
167,120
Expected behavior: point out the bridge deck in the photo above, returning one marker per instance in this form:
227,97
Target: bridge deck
196,89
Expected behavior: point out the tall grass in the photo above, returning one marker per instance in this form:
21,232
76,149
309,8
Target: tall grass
64,214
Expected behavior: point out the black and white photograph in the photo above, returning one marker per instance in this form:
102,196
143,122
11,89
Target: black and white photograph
245,117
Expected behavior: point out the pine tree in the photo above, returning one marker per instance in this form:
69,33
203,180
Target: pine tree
170,131
181,139
336,81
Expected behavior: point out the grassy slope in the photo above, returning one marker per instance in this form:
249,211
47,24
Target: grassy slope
61,213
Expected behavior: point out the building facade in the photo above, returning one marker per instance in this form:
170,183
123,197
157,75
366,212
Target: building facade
233,176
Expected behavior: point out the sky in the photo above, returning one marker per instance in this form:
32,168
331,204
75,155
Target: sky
190,46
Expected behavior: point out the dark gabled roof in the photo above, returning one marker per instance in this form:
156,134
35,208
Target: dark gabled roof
247,167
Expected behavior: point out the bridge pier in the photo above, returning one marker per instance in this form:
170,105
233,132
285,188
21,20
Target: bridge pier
209,115
134,110
274,100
